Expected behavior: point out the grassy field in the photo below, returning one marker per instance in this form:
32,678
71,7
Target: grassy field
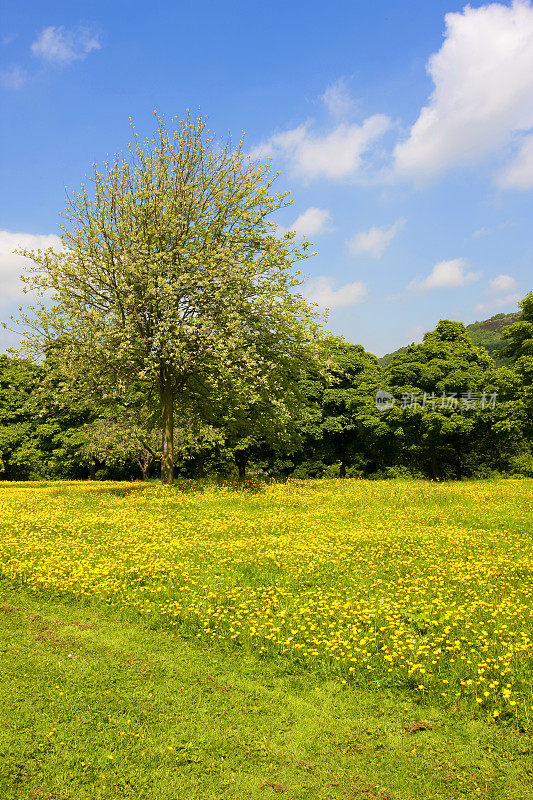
320,639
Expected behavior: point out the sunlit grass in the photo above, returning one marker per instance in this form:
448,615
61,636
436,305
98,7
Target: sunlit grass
423,586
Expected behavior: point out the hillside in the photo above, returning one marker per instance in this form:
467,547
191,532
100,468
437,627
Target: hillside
487,334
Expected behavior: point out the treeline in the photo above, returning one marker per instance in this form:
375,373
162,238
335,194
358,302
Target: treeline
446,411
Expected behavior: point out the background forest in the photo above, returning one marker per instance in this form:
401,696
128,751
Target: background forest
458,413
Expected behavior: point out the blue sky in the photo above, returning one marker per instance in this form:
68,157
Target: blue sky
404,131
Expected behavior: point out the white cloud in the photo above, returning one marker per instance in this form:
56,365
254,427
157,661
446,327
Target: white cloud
518,174
338,100
61,46
375,241
502,294
483,77
321,290
481,232
502,284
446,275
484,231
312,222
337,154
280,143
13,78
508,302
12,265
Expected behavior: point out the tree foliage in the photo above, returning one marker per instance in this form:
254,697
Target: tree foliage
439,426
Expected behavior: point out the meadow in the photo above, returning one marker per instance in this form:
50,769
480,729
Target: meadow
411,590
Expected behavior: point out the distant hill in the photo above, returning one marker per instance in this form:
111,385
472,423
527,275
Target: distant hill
485,334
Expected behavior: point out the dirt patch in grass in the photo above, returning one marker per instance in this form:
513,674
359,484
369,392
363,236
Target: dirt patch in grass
9,609
370,790
46,631
276,787
219,687
82,626
416,727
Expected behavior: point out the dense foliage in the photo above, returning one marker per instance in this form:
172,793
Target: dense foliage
455,414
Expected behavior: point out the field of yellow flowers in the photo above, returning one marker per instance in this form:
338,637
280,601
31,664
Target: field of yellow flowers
421,586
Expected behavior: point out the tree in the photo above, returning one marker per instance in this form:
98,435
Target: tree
342,421
20,454
262,428
442,380
520,349
519,335
270,423
171,277
39,432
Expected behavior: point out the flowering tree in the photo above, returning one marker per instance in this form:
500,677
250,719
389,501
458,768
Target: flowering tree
172,279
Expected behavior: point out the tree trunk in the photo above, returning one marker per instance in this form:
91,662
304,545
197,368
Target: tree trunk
92,467
434,465
167,417
458,465
199,467
241,459
342,470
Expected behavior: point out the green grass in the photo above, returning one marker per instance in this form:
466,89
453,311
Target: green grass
96,707
198,642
